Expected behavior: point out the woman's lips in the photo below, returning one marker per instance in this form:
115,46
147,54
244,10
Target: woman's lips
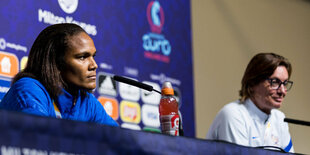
92,77
278,99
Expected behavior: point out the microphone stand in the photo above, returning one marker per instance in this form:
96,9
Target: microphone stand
148,88
294,121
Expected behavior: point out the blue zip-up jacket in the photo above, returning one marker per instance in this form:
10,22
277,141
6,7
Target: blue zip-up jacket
30,96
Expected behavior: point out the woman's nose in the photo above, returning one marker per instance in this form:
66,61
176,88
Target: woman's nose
93,65
282,89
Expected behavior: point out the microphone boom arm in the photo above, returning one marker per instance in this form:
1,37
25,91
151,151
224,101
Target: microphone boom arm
294,121
135,83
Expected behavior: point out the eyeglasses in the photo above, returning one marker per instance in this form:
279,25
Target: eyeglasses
276,84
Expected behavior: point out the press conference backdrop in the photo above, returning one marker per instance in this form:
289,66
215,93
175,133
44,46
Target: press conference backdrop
148,41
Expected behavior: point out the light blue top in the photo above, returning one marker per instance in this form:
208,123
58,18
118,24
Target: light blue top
245,124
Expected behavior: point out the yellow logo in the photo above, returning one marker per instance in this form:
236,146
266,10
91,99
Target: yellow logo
130,112
23,62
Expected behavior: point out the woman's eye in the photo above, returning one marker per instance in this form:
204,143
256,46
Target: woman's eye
82,57
275,81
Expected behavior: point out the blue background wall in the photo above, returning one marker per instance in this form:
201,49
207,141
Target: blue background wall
126,45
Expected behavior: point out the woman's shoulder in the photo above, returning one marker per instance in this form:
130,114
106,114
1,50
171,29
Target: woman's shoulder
27,80
28,84
234,106
27,95
233,109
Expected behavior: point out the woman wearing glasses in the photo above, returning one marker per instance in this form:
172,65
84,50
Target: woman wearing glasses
254,120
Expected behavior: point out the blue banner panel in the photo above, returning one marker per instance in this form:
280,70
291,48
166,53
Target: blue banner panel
23,134
148,41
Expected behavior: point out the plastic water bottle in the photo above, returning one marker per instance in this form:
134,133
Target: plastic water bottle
168,111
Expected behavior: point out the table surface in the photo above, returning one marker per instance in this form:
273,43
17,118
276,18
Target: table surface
28,134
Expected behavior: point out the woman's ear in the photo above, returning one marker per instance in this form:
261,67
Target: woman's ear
250,90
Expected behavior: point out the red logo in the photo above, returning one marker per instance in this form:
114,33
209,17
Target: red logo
155,45
155,16
175,123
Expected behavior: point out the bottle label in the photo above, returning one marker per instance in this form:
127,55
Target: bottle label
170,124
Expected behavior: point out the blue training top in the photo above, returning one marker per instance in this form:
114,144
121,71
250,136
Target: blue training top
30,96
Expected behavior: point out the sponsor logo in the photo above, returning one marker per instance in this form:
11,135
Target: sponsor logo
4,44
23,62
8,64
131,71
254,137
10,150
148,129
175,124
129,92
110,105
4,88
106,66
151,97
130,112
170,124
49,17
106,85
155,16
131,126
175,121
156,46
68,6
162,78
150,115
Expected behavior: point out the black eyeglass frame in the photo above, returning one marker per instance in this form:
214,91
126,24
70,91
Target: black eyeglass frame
285,83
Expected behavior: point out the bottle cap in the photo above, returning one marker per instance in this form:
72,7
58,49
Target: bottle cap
167,89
